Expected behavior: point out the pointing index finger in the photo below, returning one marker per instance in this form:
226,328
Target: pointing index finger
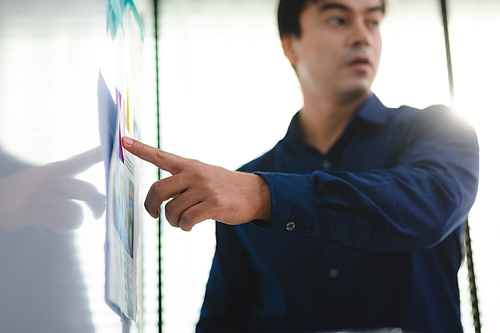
163,160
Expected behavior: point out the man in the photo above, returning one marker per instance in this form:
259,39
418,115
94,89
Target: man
357,214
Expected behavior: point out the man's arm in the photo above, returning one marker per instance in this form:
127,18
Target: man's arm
200,191
413,204
410,206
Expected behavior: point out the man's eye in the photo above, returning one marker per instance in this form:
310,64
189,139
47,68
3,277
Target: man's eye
373,23
336,21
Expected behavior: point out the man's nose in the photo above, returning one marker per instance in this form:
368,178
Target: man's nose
359,34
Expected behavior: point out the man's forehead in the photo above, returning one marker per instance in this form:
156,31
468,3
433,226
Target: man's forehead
354,5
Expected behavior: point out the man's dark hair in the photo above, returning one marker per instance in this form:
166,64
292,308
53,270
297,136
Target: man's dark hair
289,16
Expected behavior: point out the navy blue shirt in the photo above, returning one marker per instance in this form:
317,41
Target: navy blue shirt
365,236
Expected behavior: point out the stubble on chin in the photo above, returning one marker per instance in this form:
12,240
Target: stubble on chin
355,95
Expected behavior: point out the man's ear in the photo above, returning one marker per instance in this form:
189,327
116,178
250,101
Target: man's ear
287,43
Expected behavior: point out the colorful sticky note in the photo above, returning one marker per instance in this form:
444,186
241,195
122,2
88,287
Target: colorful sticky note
116,10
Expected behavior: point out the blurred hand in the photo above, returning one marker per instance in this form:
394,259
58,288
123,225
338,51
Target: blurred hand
45,195
200,191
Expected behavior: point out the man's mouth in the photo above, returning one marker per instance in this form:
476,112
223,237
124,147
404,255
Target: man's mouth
359,63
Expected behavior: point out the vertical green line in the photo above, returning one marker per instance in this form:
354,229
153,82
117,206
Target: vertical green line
472,280
444,13
158,143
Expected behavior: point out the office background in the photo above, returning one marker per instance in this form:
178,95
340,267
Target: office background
225,95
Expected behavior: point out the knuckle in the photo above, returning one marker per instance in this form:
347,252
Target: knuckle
189,217
171,219
216,200
171,212
206,190
156,189
172,223
158,154
198,174
168,211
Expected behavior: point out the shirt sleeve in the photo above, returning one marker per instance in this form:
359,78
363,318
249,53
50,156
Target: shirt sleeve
412,205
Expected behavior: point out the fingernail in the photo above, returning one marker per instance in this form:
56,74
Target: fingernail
127,141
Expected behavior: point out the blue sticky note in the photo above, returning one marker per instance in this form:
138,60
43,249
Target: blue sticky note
107,120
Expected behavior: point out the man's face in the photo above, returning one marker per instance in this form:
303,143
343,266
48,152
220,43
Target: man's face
339,50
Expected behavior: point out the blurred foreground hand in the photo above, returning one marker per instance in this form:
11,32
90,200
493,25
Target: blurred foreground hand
45,195
201,191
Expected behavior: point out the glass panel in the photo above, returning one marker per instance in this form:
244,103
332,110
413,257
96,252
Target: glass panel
50,55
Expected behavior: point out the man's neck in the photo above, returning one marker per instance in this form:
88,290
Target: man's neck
322,121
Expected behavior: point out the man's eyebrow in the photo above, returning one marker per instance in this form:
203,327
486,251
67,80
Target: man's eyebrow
375,9
334,5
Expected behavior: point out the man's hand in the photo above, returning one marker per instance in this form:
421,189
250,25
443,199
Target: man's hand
200,191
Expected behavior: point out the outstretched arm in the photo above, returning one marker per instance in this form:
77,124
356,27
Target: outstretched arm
199,191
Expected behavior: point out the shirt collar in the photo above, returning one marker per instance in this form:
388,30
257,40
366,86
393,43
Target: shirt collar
372,111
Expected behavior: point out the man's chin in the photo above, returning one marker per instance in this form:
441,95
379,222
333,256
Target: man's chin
357,93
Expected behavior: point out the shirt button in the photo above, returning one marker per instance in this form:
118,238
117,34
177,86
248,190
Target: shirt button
290,226
333,273
396,330
326,165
